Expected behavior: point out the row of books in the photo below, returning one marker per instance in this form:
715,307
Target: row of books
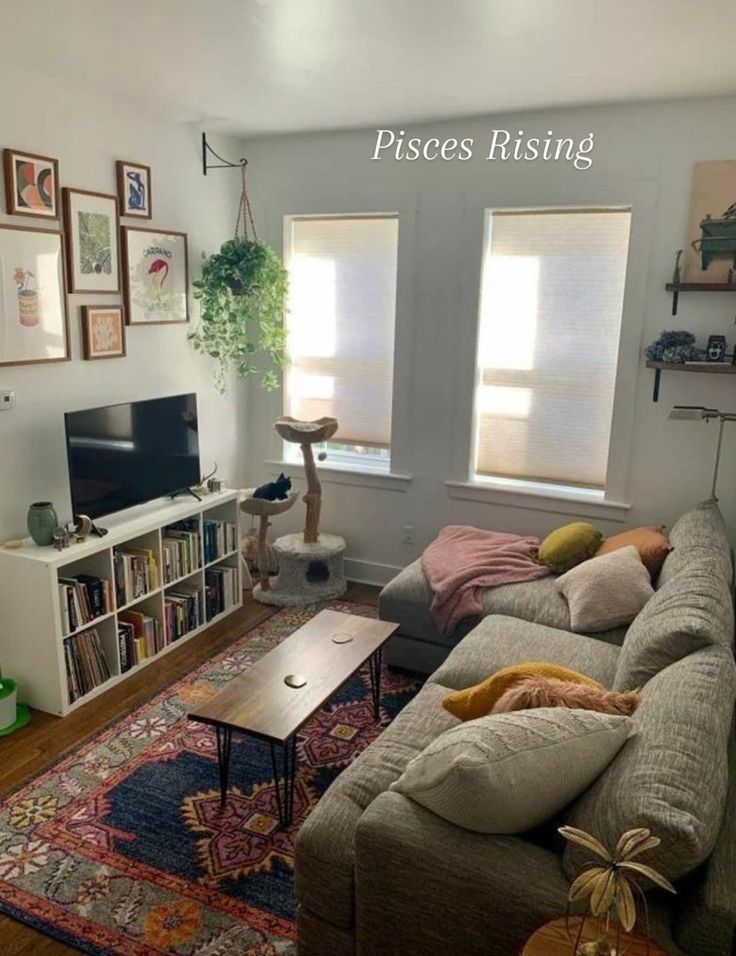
220,590
220,538
140,636
82,599
182,611
181,549
136,573
86,667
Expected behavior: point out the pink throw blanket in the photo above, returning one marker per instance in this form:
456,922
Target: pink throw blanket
462,561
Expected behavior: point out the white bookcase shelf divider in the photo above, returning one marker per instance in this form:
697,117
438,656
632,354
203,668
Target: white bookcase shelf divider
32,631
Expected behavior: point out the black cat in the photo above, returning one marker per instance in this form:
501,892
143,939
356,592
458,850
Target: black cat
274,490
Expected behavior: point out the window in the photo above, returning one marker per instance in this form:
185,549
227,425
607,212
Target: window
340,330
550,318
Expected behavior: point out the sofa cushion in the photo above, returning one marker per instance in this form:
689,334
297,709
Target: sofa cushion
671,775
700,534
499,642
649,541
508,773
567,546
691,610
325,845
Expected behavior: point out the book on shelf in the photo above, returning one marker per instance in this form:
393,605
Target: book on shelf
140,636
182,611
181,549
82,599
220,538
136,573
86,665
221,590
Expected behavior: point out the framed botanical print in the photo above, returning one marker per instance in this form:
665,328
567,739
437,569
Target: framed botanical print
91,230
156,276
33,320
103,332
134,189
31,184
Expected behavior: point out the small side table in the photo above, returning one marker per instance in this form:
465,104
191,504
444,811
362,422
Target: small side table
557,938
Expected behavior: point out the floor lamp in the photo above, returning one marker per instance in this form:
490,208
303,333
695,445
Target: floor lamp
696,413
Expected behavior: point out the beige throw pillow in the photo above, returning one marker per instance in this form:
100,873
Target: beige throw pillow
507,773
606,592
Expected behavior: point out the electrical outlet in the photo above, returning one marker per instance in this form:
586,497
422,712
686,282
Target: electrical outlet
409,534
7,399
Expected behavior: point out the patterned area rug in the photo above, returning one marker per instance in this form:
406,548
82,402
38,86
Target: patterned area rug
121,847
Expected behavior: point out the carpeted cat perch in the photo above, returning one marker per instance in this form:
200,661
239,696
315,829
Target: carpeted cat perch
310,563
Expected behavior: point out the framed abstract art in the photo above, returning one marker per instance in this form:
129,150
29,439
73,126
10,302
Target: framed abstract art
156,276
31,184
91,230
134,189
103,332
33,319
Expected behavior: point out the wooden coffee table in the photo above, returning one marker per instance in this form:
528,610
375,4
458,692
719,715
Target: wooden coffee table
282,690
557,938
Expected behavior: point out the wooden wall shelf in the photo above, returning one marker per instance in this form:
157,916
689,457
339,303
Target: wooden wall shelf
677,287
711,368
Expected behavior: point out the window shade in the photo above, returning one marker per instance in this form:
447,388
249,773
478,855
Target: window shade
340,323
550,318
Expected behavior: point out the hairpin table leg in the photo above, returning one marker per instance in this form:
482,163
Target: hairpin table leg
224,744
375,663
285,786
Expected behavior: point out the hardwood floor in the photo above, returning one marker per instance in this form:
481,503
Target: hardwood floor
46,737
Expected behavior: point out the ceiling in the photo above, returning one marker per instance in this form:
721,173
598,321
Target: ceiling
274,66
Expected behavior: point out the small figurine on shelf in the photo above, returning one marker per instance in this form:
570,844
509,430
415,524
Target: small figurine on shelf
716,350
674,348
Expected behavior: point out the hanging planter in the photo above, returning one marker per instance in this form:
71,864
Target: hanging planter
242,293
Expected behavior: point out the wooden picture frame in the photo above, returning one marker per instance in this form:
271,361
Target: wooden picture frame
156,276
91,231
35,197
94,318
134,189
33,305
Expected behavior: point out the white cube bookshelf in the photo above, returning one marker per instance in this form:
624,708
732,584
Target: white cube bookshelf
32,634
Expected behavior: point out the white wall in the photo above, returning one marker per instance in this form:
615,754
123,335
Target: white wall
87,133
644,155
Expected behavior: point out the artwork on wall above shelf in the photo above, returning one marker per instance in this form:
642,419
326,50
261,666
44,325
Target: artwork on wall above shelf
718,368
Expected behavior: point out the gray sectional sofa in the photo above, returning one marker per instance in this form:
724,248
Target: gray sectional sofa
378,875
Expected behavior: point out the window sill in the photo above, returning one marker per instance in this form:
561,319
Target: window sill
558,500
345,475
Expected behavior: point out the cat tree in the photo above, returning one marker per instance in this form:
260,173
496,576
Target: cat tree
310,563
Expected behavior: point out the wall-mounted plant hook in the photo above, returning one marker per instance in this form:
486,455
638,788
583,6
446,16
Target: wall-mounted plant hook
223,164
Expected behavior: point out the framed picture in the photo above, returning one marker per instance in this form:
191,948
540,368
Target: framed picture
134,189
156,273
710,254
103,332
91,230
31,184
33,319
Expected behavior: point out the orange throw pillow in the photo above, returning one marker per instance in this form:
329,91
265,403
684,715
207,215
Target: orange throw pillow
477,701
652,545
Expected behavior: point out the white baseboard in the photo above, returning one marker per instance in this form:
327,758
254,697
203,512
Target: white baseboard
369,572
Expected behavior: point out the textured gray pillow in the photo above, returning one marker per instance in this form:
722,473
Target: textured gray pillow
672,775
507,773
606,592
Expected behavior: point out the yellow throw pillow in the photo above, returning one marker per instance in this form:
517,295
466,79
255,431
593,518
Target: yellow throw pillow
477,701
569,545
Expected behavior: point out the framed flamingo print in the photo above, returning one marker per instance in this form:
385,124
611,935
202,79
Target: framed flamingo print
156,274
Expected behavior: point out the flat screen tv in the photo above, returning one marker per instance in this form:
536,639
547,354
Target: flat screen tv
124,455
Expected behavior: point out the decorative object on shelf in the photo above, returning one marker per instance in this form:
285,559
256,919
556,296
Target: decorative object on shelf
103,332
611,886
13,715
156,276
203,487
33,319
31,184
673,347
214,485
242,294
716,349
699,413
676,272
41,522
62,538
81,527
91,230
134,189
274,490
712,224
264,508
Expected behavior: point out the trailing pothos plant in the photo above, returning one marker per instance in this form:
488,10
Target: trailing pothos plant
242,295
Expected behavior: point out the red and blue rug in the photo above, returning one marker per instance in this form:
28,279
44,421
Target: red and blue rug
121,847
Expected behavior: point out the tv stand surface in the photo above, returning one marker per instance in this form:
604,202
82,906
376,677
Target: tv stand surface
32,637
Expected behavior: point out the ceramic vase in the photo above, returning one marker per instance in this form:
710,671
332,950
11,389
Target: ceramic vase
8,702
41,522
